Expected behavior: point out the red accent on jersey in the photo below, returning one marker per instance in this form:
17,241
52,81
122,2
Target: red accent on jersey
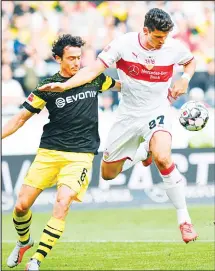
184,64
111,162
106,65
31,97
140,72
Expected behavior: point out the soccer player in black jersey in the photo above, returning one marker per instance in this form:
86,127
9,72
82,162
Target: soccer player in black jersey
67,148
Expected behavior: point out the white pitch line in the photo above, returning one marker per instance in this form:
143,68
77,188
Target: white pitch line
129,241
119,241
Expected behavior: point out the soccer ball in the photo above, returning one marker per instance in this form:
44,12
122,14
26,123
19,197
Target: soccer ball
193,116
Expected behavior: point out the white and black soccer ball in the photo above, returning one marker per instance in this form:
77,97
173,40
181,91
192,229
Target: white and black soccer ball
193,116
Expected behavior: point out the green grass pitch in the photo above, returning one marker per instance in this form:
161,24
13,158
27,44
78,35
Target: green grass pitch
121,239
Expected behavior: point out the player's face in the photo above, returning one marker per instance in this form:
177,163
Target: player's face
156,38
71,60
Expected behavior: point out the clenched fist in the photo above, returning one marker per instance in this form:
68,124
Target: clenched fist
180,87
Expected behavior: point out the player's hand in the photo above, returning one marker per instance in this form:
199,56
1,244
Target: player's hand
169,96
55,87
179,88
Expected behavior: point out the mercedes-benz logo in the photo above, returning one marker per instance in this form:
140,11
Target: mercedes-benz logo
60,102
133,70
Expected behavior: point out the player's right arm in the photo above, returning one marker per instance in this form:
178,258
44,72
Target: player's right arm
83,76
105,59
16,122
33,104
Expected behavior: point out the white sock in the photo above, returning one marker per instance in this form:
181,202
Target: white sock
141,154
175,191
183,216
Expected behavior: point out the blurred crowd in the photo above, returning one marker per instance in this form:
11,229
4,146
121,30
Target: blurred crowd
30,27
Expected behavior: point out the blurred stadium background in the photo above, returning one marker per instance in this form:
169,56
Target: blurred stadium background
132,207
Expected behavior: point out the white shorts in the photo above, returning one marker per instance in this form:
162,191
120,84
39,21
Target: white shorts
128,133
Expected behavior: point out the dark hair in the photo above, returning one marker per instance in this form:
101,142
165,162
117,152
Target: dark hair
158,19
66,40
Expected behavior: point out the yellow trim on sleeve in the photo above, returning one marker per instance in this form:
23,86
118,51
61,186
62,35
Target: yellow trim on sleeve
36,101
106,85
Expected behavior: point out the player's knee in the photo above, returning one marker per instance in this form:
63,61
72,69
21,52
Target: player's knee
162,160
61,208
62,204
110,171
21,206
109,174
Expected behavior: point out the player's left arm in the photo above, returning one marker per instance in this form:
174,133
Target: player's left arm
180,86
183,57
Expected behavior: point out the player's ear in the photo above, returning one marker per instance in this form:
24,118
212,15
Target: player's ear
145,30
58,59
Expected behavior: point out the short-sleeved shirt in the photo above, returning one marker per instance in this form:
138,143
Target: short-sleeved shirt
73,114
145,75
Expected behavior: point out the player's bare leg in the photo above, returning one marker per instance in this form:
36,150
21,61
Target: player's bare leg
54,228
160,146
141,155
111,169
22,220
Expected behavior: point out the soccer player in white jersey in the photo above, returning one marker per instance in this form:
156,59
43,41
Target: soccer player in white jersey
144,63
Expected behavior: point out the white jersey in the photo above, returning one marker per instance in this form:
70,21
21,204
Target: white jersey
145,74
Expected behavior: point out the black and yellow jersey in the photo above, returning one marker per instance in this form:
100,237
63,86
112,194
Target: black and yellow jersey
73,114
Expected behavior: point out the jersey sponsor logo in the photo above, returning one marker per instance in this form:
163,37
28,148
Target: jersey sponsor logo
133,70
156,74
61,102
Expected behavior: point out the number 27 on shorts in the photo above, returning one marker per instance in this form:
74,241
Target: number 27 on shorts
159,120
